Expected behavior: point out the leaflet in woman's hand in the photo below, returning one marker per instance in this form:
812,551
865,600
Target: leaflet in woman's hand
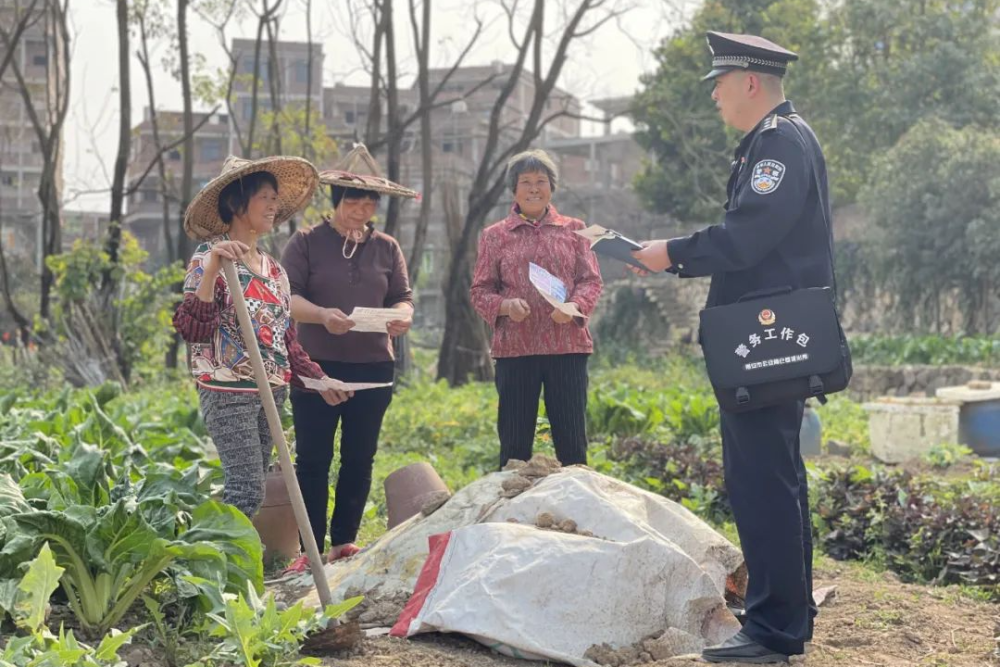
375,320
331,383
552,290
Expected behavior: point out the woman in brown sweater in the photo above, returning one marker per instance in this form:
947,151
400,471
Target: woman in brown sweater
333,268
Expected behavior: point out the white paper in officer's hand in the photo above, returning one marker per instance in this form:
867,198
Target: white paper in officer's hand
552,290
331,383
375,320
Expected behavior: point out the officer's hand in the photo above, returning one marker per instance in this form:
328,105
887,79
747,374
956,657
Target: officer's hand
515,309
653,255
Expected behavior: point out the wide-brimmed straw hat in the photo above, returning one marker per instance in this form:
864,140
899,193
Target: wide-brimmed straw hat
359,170
297,181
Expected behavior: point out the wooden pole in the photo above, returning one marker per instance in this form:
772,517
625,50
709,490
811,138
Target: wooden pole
278,436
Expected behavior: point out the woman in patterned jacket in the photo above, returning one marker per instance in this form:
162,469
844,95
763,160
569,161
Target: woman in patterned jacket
534,344
229,215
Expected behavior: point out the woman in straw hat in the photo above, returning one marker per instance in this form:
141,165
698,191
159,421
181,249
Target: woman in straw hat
534,344
229,215
334,268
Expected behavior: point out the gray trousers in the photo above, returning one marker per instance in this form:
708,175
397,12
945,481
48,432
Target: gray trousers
238,426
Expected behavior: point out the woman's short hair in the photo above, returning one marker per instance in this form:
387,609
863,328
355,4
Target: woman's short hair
235,197
535,161
339,192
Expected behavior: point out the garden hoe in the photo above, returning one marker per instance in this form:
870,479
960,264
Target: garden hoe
278,436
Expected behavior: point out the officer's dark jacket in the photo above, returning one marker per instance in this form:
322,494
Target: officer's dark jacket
773,234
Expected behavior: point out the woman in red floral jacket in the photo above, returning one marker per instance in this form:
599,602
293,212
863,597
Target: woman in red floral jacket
232,211
534,344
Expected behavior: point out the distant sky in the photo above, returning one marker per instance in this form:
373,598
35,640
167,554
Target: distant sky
608,63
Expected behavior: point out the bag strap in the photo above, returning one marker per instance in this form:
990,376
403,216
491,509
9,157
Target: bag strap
822,204
768,291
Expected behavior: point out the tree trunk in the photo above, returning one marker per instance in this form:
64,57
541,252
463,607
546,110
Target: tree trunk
184,246
48,124
393,121
124,141
464,354
422,40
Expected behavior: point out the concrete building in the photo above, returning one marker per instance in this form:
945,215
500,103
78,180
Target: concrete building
221,135
20,152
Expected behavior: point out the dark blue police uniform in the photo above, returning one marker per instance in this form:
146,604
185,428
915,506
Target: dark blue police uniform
773,235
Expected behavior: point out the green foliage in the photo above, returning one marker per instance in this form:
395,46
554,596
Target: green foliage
453,428
678,121
687,472
111,552
846,422
946,454
255,634
868,72
626,323
40,647
936,231
118,494
924,529
672,413
934,350
136,322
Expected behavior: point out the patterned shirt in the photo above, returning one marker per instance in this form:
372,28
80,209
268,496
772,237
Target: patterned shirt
505,250
219,358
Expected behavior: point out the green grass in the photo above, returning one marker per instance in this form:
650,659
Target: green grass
846,421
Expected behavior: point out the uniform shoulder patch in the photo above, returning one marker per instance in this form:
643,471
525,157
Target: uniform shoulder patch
766,177
770,123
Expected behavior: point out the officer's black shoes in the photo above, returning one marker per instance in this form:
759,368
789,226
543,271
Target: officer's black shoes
740,648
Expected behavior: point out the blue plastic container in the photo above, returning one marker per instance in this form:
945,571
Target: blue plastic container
811,433
978,417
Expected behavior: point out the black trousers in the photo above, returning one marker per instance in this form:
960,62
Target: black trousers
360,418
519,382
767,486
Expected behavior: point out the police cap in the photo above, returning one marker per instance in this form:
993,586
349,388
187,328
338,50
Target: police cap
747,52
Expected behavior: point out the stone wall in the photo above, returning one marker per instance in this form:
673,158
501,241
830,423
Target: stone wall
872,381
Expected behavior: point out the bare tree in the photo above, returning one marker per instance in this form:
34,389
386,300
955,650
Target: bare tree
309,74
268,13
274,79
183,245
23,19
47,108
124,140
464,350
187,175
421,44
219,16
381,56
428,101
150,24
392,136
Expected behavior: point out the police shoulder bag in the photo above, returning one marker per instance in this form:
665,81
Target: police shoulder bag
775,346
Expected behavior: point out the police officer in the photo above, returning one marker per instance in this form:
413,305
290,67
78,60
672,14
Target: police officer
773,234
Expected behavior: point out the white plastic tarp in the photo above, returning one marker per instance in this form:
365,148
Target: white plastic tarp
547,595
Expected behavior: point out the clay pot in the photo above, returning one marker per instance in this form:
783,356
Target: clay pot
275,522
407,489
